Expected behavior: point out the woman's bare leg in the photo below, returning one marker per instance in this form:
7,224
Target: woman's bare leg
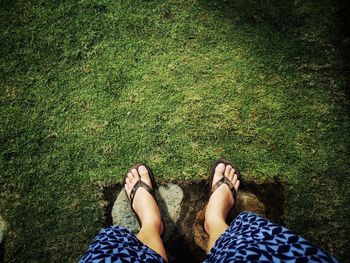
220,204
148,211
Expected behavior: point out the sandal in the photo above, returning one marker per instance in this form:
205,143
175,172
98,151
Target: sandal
223,180
142,184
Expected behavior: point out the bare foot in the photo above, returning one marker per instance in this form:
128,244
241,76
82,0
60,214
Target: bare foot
221,201
144,203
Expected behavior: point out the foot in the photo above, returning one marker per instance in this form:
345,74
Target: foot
144,203
221,201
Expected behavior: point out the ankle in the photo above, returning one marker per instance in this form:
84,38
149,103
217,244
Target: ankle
212,223
150,231
152,226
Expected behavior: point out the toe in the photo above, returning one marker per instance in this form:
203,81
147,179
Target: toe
220,169
237,185
128,184
234,179
135,174
143,171
228,170
130,176
235,182
129,179
232,174
144,175
127,188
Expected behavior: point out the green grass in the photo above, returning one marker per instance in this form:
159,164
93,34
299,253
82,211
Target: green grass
88,88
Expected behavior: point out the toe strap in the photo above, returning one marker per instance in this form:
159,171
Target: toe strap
136,187
224,180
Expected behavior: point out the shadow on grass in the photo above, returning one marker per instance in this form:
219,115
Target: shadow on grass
302,31
343,37
2,251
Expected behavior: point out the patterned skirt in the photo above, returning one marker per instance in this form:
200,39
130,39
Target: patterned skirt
250,238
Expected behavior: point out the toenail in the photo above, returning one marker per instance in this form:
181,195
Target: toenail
142,169
220,166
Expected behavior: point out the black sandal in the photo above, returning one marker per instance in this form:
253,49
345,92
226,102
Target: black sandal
142,184
223,180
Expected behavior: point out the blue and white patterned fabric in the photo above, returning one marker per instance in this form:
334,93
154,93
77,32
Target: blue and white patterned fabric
117,244
250,238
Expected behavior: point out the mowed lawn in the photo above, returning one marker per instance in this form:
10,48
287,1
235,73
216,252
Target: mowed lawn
90,87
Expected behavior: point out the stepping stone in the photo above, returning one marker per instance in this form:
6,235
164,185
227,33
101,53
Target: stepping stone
2,229
169,198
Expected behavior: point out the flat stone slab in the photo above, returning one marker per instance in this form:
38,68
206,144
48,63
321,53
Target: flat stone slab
2,229
169,198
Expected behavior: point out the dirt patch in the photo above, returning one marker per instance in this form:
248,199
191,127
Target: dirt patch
110,194
188,239
2,252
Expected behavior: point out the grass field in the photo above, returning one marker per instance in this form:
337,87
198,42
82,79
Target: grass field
90,87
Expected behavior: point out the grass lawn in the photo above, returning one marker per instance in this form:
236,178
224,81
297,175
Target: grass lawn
90,87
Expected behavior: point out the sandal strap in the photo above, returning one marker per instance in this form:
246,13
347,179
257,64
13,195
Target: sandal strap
225,180
139,184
